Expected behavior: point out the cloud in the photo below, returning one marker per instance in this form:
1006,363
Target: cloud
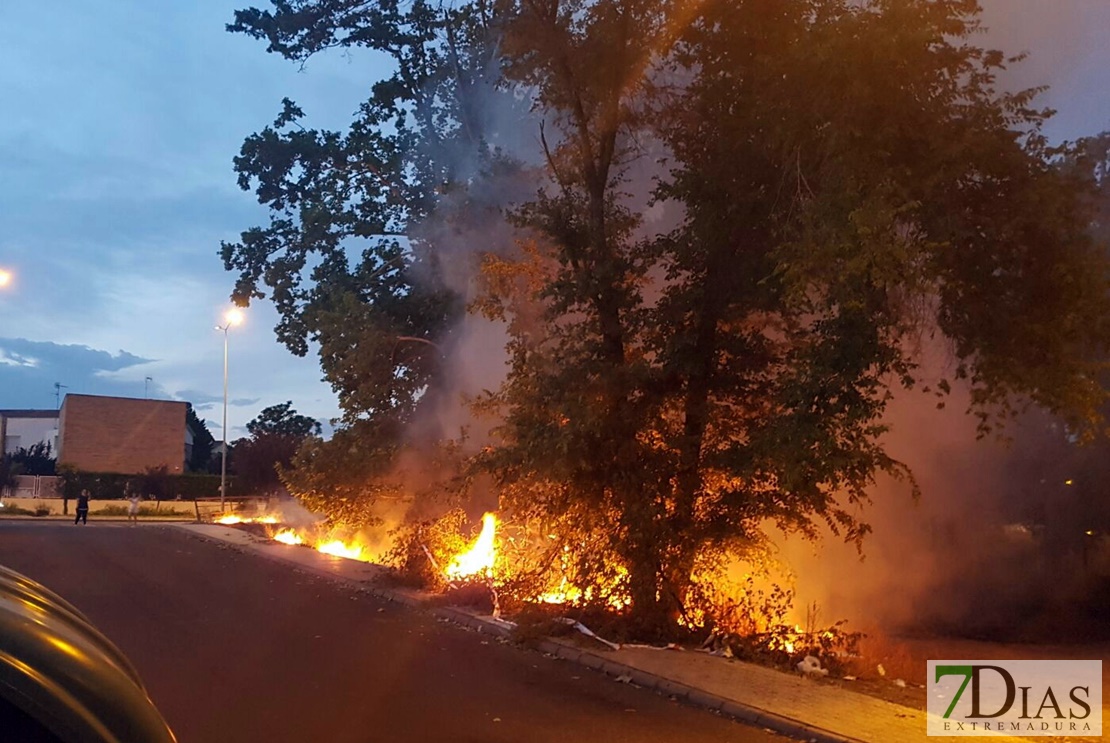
200,400
30,369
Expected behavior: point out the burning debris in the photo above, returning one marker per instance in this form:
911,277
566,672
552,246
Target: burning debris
811,666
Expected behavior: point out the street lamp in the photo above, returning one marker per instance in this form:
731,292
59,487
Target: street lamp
233,317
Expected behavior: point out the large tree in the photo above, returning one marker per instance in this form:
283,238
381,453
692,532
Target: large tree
843,177
275,436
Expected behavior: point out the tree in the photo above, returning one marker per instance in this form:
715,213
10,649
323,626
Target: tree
153,483
200,460
36,459
848,177
9,472
845,178
275,436
366,224
283,420
345,257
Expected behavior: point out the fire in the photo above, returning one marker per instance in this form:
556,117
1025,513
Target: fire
288,536
479,558
330,546
231,520
339,548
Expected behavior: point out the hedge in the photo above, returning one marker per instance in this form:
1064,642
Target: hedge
111,485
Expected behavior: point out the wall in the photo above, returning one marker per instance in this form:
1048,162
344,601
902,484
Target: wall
124,435
55,506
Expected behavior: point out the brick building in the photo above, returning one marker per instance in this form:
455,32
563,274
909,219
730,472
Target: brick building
120,434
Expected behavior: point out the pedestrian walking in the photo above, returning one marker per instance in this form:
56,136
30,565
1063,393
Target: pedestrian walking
82,508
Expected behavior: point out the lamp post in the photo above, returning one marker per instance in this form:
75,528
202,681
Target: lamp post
233,317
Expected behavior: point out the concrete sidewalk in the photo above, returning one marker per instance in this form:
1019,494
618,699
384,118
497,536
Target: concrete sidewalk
788,704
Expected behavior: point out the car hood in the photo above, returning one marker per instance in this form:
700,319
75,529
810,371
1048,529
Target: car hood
58,668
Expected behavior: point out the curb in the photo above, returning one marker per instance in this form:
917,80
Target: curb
678,691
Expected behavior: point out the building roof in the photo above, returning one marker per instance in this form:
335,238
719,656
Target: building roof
14,413
125,399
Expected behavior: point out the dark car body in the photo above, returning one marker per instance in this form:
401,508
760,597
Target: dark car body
61,679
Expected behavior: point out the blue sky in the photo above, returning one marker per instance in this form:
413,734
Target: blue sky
120,121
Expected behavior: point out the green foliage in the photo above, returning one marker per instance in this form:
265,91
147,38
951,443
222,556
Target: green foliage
849,178
276,435
344,476
9,471
37,459
190,486
154,483
343,256
283,420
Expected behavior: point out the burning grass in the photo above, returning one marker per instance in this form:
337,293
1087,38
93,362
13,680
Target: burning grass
734,610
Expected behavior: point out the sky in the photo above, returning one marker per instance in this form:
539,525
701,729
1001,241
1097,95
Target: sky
120,121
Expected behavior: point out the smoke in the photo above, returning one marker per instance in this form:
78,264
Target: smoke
1005,542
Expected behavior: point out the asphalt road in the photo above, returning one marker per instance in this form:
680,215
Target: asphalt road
237,648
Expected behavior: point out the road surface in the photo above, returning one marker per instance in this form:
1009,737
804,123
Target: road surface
236,648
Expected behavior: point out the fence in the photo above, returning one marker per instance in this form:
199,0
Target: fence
37,486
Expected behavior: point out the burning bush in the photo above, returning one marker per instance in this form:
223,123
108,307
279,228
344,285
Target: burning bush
422,551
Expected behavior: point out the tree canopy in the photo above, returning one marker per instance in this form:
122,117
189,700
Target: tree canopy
743,219
283,420
275,436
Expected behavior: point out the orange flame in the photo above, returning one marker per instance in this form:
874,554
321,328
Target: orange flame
231,519
288,536
480,557
339,548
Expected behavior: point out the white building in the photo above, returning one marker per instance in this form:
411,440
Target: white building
22,429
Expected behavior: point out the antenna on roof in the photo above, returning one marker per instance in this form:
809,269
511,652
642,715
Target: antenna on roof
146,387
58,387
